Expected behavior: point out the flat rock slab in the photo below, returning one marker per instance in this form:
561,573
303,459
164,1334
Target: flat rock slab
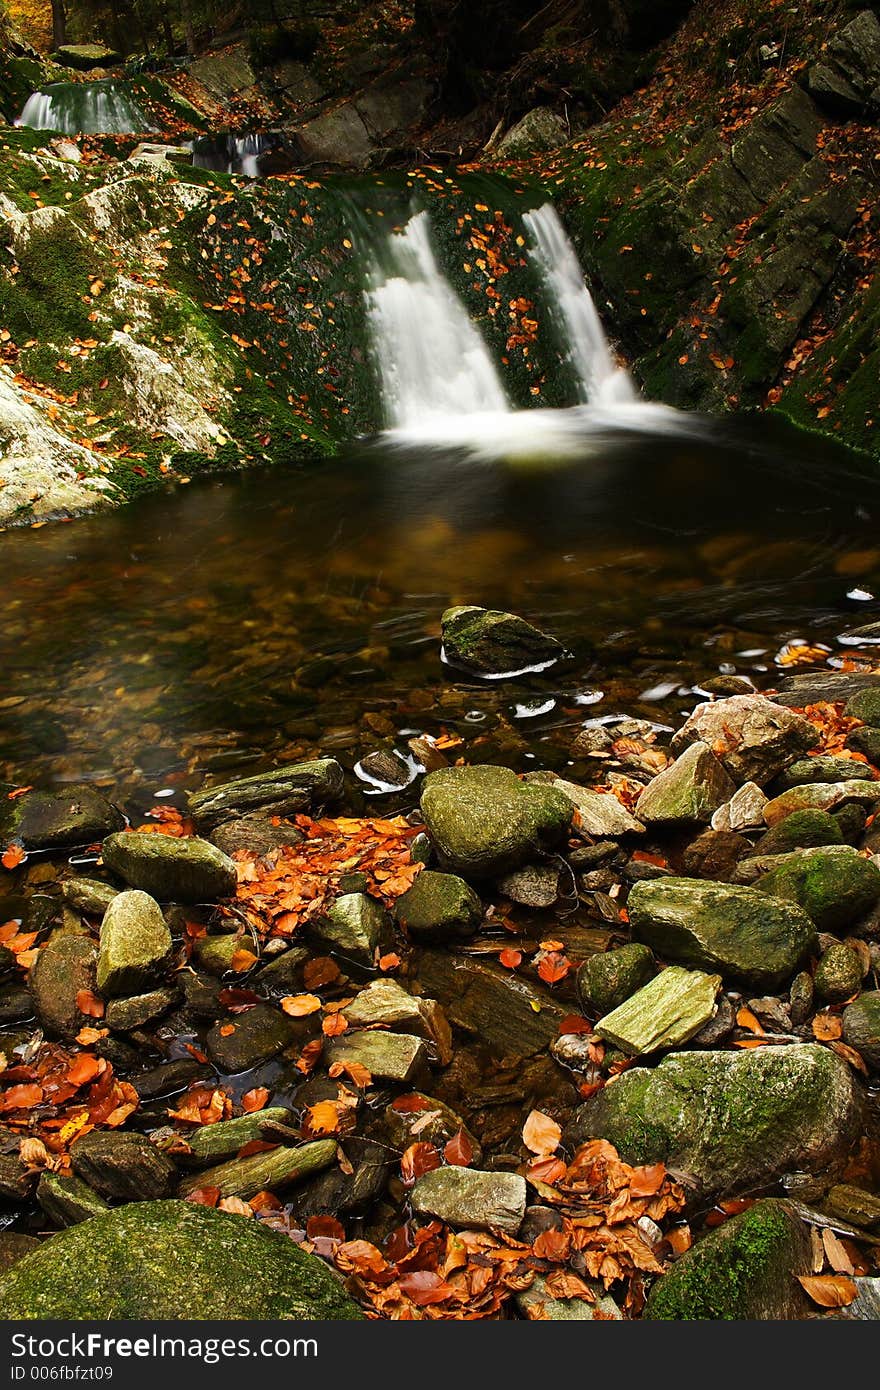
253,1037
388,1056
286,790
744,810
57,820
665,1013
510,1014
820,796
225,1138
753,737
186,870
473,1199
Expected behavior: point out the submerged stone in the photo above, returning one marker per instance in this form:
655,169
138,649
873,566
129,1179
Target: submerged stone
186,870
484,821
241,1042
67,1201
123,1167
172,1260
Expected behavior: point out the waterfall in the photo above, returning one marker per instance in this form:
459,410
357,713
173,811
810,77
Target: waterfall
232,154
433,362
600,380
85,108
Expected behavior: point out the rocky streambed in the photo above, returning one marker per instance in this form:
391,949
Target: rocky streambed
533,1048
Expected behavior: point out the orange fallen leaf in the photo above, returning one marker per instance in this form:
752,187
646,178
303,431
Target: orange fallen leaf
827,1027
89,1004
510,958
255,1099
300,1005
12,857
459,1150
829,1290
541,1134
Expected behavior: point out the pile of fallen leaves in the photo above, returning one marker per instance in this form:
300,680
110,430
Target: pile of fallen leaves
281,890
605,1236
53,1096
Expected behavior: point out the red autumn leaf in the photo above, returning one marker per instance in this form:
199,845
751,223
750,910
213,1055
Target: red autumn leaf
647,1180
255,1099
227,1030
256,1146
417,1160
510,958
355,1071
322,970
459,1150
204,1196
89,1004
326,1226
574,1023
553,967
12,857
323,1117
424,1286
237,1000
21,1097
389,961
84,1068
548,1170
300,1005
408,1105
19,791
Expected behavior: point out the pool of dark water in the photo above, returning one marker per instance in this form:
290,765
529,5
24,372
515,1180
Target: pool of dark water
242,620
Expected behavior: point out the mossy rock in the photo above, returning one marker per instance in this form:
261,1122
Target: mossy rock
172,1260
439,907
745,1270
861,1027
606,980
730,1121
85,57
172,870
56,820
135,945
493,643
823,768
834,886
865,705
839,973
806,829
484,820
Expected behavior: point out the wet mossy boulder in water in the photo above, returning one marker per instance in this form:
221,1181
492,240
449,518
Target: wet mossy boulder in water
839,973
729,1121
484,821
123,1167
539,129
57,820
172,1260
492,643
606,980
861,1027
135,944
472,1199
746,1270
745,934
688,792
188,870
808,829
86,57
835,886
356,928
754,738
245,1040
439,907
283,792
63,968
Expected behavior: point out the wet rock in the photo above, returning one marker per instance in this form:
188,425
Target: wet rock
282,975
85,57
386,1003
718,1028
824,768
839,973
58,820
135,944
298,787
215,953
255,1036
861,1027
386,769
125,1014
13,1247
753,737
338,137
834,886
807,829
356,927
539,129
729,1121
433,1123
534,885
254,833
865,705
745,934
490,643
186,870
772,1013
804,688
484,821
122,1167
800,998
688,792
745,1270
439,907
271,1170
224,1139
472,1199
536,1302
820,796
846,80
346,1193
853,1205
386,1056
64,967
715,855
606,980
88,895
664,1013
598,813
170,1077
511,1015
16,1005
590,741
16,1182
67,1201
157,1259
744,810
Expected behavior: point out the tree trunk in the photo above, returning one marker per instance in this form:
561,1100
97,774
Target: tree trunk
188,26
59,24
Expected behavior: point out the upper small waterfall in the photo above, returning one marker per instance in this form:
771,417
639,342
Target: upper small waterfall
432,359
601,381
84,108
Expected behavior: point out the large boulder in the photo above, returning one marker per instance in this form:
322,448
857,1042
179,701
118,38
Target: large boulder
135,944
753,737
172,1260
492,643
688,792
58,820
187,870
729,1121
835,886
439,907
846,80
86,57
299,787
747,935
539,129
744,1271
484,820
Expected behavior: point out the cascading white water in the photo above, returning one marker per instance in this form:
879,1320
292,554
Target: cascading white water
232,154
433,361
84,108
600,380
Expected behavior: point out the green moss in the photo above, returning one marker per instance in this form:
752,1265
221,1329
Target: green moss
49,298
